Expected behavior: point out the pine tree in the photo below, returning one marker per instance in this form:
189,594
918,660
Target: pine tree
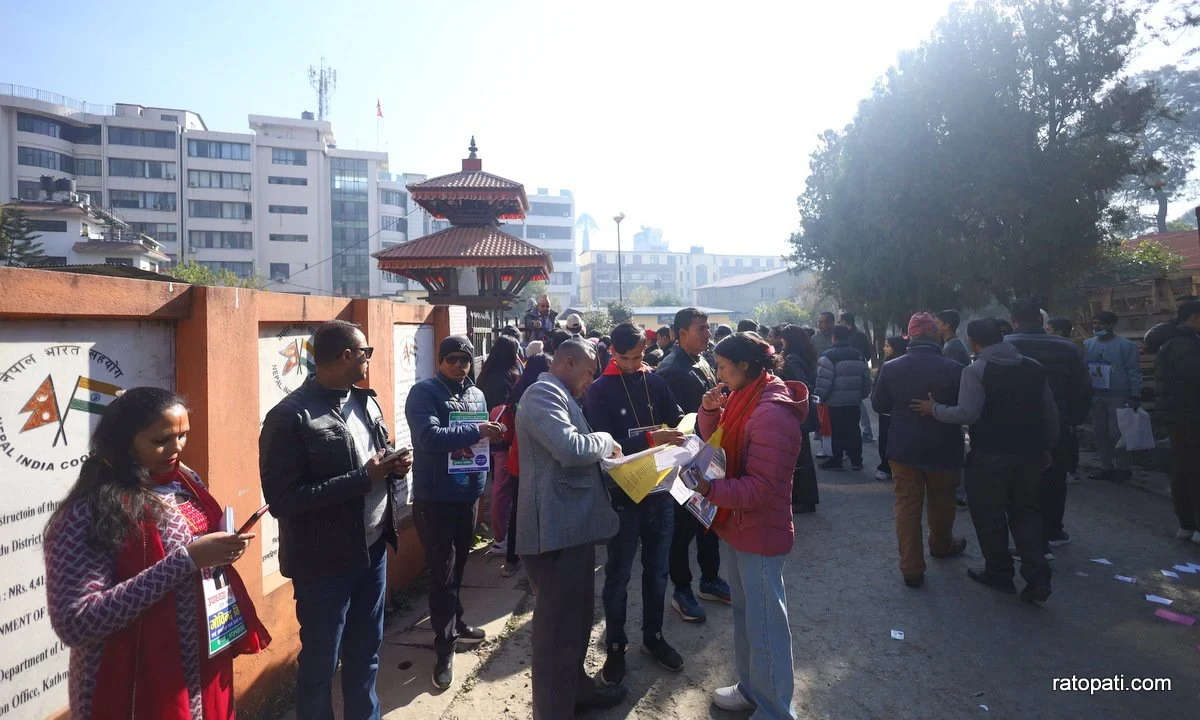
18,243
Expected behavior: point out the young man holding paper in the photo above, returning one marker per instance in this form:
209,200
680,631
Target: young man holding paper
637,408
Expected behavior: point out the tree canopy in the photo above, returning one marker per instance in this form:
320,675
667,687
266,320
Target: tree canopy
18,243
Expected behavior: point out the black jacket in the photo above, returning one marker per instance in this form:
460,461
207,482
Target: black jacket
312,478
1177,376
1065,369
688,377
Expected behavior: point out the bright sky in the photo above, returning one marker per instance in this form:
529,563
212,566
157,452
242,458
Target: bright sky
695,120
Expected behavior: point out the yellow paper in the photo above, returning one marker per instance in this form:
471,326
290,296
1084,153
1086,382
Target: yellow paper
638,476
687,425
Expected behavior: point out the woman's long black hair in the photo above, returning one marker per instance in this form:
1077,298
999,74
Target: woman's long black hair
504,359
112,481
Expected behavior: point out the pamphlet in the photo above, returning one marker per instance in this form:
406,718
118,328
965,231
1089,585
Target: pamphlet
636,474
476,458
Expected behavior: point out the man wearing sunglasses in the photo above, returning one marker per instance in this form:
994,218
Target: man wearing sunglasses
444,495
328,471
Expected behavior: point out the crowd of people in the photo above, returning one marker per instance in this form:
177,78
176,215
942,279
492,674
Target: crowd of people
138,549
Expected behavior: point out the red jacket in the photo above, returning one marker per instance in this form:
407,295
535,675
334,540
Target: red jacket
761,496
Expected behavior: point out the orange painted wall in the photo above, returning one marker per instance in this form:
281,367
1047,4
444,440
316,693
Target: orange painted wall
216,344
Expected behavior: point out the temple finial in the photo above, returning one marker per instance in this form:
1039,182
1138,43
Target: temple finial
472,148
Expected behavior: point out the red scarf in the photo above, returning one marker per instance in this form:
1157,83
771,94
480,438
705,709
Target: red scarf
141,669
613,369
738,409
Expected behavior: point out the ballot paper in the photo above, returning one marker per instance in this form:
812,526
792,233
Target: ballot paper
1159,599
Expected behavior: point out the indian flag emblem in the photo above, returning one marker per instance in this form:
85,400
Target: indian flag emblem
93,395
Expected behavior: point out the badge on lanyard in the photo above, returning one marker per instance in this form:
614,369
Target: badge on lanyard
1101,373
222,614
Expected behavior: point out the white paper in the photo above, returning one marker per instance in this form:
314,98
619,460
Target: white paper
680,491
1102,561
1125,579
1194,566
1170,573
672,456
897,634
1159,599
1185,568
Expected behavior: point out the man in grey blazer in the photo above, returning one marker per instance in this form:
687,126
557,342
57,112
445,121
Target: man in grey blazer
563,510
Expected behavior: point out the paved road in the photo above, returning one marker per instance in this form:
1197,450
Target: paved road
964,646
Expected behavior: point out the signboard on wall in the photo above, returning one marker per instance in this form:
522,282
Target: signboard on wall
55,380
285,359
414,351
458,320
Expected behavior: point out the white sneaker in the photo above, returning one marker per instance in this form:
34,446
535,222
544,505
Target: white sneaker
1196,537
731,698
881,476
499,548
1184,534
1073,478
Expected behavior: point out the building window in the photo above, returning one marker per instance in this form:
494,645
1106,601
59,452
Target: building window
770,262
287,209
89,135
87,166
50,226
393,223
53,261
28,190
276,180
214,209
169,118
279,271
550,209
393,197
561,279
36,157
566,256
241,269
601,259
218,150
738,262
757,262
162,232
547,232
349,215
222,180
220,239
282,156
153,169
393,278
138,200
141,138
285,237
767,292
39,125
119,261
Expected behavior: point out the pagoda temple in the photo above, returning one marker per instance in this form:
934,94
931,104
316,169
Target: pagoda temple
473,262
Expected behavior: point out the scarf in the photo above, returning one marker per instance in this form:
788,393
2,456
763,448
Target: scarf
734,420
141,668
612,368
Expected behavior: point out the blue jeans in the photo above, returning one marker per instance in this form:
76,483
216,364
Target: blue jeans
762,640
652,522
341,616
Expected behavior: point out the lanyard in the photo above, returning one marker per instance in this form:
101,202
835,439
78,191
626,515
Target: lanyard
649,403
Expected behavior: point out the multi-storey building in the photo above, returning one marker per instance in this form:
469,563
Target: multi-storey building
282,201
70,231
674,273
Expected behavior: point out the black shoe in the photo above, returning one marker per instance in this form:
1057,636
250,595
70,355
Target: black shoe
468,635
956,548
613,672
856,466
801,508
914,581
1035,595
600,698
443,671
831,465
666,655
1004,585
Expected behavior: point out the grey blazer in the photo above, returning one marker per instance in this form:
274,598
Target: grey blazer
563,502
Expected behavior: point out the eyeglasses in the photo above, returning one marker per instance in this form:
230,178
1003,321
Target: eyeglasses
457,359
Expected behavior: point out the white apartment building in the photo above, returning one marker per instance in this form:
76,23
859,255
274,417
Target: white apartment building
676,273
70,231
550,225
282,201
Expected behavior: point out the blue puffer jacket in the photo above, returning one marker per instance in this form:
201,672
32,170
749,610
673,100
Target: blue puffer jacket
843,377
428,413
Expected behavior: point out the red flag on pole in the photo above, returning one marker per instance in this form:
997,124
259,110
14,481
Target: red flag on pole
378,108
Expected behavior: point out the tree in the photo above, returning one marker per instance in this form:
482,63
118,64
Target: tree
18,243
982,165
619,313
667,299
781,312
194,273
599,320
640,296
532,291
586,224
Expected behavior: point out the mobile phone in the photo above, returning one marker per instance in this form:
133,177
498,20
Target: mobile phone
398,452
253,519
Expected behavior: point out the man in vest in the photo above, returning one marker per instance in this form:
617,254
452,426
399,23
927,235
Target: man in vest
1005,399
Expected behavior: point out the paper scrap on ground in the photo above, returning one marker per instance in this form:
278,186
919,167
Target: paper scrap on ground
1159,599
1185,568
1081,573
1125,578
1170,573
897,634
1175,617
636,474
1102,561
985,708
1194,566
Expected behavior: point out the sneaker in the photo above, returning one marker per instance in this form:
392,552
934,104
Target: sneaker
882,476
468,635
1063,539
831,464
613,672
443,671
510,568
1073,478
820,455
717,590
1184,534
685,604
658,649
499,547
731,698
856,466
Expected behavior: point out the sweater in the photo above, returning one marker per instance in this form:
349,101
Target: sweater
608,407
427,410
760,495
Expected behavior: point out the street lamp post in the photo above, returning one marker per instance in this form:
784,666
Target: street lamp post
620,285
